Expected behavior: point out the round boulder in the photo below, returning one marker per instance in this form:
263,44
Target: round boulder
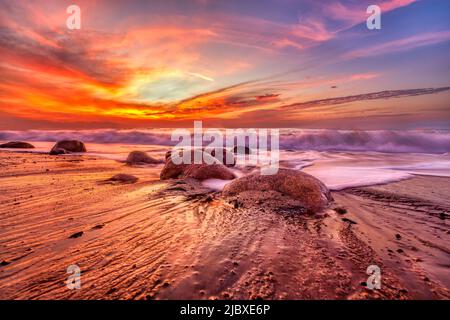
68,146
300,186
17,145
207,171
56,151
201,171
140,157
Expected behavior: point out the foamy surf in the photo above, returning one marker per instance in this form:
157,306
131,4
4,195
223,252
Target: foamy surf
340,178
215,184
391,141
341,159
341,170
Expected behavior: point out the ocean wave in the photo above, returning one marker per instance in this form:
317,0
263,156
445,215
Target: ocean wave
145,137
380,140
411,141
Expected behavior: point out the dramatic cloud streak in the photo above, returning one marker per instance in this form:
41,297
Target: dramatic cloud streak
388,94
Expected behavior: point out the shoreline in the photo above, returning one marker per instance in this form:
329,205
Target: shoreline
337,170
167,240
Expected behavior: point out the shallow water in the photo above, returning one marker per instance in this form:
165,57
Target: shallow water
337,169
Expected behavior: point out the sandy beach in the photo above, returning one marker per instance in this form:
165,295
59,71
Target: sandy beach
171,239
187,151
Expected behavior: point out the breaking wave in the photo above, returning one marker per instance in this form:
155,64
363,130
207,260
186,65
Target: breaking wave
413,141
380,141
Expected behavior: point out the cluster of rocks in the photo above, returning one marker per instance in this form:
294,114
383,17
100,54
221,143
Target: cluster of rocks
287,188
209,168
61,147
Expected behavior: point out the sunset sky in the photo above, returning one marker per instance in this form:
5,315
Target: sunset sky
246,63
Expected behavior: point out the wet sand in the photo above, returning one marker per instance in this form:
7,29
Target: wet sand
174,240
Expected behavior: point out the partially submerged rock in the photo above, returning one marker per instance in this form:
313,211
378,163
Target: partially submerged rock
17,145
123,178
201,171
67,146
140,157
310,192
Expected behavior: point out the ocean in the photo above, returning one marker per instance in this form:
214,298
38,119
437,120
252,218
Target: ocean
340,158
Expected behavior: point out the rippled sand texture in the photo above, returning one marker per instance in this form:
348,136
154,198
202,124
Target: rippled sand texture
174,240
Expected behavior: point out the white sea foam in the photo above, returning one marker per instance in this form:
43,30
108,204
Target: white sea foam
215,184
340,170
339,178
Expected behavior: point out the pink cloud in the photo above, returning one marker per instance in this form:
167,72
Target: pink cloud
314,27
401,44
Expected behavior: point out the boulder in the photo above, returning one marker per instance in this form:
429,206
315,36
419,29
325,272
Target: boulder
56,151
68,146
310,192
208,171
17,145
200,171
140,157
123,178
170,169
